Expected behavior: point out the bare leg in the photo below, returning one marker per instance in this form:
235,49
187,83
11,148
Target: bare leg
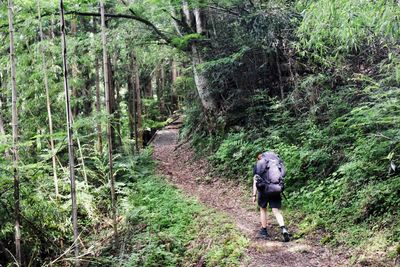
263,217
278,216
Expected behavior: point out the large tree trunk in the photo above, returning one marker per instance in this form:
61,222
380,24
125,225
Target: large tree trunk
46,86
108,108
14,122
195,21
71,162
202,83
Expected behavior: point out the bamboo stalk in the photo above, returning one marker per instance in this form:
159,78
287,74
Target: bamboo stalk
70,136
14,123
46,85
109,138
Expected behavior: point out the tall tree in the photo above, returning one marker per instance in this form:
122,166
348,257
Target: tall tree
109,133
14,122
138,103
98,108
48,104
71,162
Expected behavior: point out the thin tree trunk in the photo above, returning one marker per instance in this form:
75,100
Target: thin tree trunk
71,162
162,83
174,76
132,107
111,101
74,74
278,67
130,102
98,109
117,115
138,100
14,124
160,87
46,85
107,92
174,71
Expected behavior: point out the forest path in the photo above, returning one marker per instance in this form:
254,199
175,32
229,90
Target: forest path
192,176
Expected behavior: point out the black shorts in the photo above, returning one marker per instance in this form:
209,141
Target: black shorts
274,201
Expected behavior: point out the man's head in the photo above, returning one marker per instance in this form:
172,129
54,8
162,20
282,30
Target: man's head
259,156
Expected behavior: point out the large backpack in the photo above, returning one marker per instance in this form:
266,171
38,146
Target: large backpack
271,170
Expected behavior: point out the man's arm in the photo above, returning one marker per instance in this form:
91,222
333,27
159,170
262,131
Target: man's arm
254,184
254,188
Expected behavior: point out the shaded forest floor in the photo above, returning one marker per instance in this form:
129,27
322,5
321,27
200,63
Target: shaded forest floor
192,176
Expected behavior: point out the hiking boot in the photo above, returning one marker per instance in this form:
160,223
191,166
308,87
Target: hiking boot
263,233
285,233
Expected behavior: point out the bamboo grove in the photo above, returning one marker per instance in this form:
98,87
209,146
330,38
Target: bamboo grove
54,27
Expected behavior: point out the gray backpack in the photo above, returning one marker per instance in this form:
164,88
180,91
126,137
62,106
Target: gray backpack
272,170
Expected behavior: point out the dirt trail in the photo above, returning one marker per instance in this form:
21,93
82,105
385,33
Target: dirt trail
177,163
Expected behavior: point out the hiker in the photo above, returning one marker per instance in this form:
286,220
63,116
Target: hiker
268,182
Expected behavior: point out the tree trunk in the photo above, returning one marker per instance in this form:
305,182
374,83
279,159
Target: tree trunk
130,102
74,72
138,104
160,80
117,115
87,94
278,67
46,86
111,100
98,109
199,21
71,162
110,153
174,76
148,89
14,123
201,81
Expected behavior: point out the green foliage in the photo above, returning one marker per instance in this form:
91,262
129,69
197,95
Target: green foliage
338,28
183,42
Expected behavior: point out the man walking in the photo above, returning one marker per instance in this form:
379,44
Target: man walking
268,182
